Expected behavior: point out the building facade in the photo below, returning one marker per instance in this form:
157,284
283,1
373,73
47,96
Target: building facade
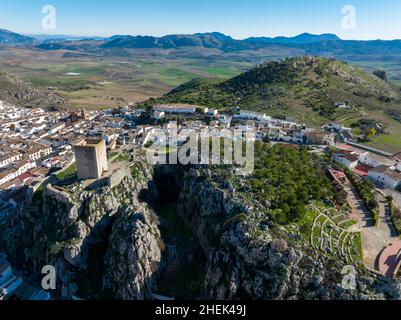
385,177
91,158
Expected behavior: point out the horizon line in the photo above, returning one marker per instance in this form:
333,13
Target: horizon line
200,32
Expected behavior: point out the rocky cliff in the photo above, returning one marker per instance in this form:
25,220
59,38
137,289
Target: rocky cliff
104,242
107,243
251,258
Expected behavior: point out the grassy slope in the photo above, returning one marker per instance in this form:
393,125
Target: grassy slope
112,81
106,82
306,88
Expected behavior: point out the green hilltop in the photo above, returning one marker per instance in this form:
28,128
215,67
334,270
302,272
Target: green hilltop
297,86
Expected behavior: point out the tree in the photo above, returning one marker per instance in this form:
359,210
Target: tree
370,133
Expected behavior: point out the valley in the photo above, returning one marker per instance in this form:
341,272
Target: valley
318,119
100,82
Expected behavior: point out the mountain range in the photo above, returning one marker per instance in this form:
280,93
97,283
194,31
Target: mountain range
12,38
215,45
208,40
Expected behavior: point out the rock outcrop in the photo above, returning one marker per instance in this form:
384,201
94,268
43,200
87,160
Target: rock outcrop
134,238
250,258
68,223
106,242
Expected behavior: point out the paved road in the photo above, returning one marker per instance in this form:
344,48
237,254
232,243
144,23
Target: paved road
385,225
374,239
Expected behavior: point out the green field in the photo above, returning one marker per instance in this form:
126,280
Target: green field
386,142
104,82
70,171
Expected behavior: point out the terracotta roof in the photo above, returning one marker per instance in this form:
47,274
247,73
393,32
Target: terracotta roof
25,176
348,155
351,157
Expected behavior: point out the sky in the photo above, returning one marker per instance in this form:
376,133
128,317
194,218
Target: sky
365,19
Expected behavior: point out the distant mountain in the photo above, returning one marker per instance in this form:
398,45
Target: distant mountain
22,93
12,38
79,45
300,39
302,85
328,45
214,40
207,40
306,43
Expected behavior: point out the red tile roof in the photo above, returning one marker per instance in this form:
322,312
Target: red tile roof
25,176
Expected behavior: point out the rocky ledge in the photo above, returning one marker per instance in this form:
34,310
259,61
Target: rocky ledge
249,257
106,242
103,238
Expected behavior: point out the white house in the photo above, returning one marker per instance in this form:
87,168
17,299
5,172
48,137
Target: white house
175,108
8,175
333,127
249,115
375,160
38,151
343,105
211,112
24,166
385,177
7,159
347,159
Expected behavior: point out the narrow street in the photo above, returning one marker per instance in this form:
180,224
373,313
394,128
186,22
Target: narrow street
385,226
374,239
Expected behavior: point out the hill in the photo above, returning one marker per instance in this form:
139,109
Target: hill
207,40
299,85
300,39
12,38
211,40
21,93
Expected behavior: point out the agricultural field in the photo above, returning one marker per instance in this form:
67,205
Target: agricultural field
387,142
100,82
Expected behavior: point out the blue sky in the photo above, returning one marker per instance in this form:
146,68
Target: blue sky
375,19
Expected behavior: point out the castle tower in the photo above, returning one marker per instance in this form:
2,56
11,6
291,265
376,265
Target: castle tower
91,158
